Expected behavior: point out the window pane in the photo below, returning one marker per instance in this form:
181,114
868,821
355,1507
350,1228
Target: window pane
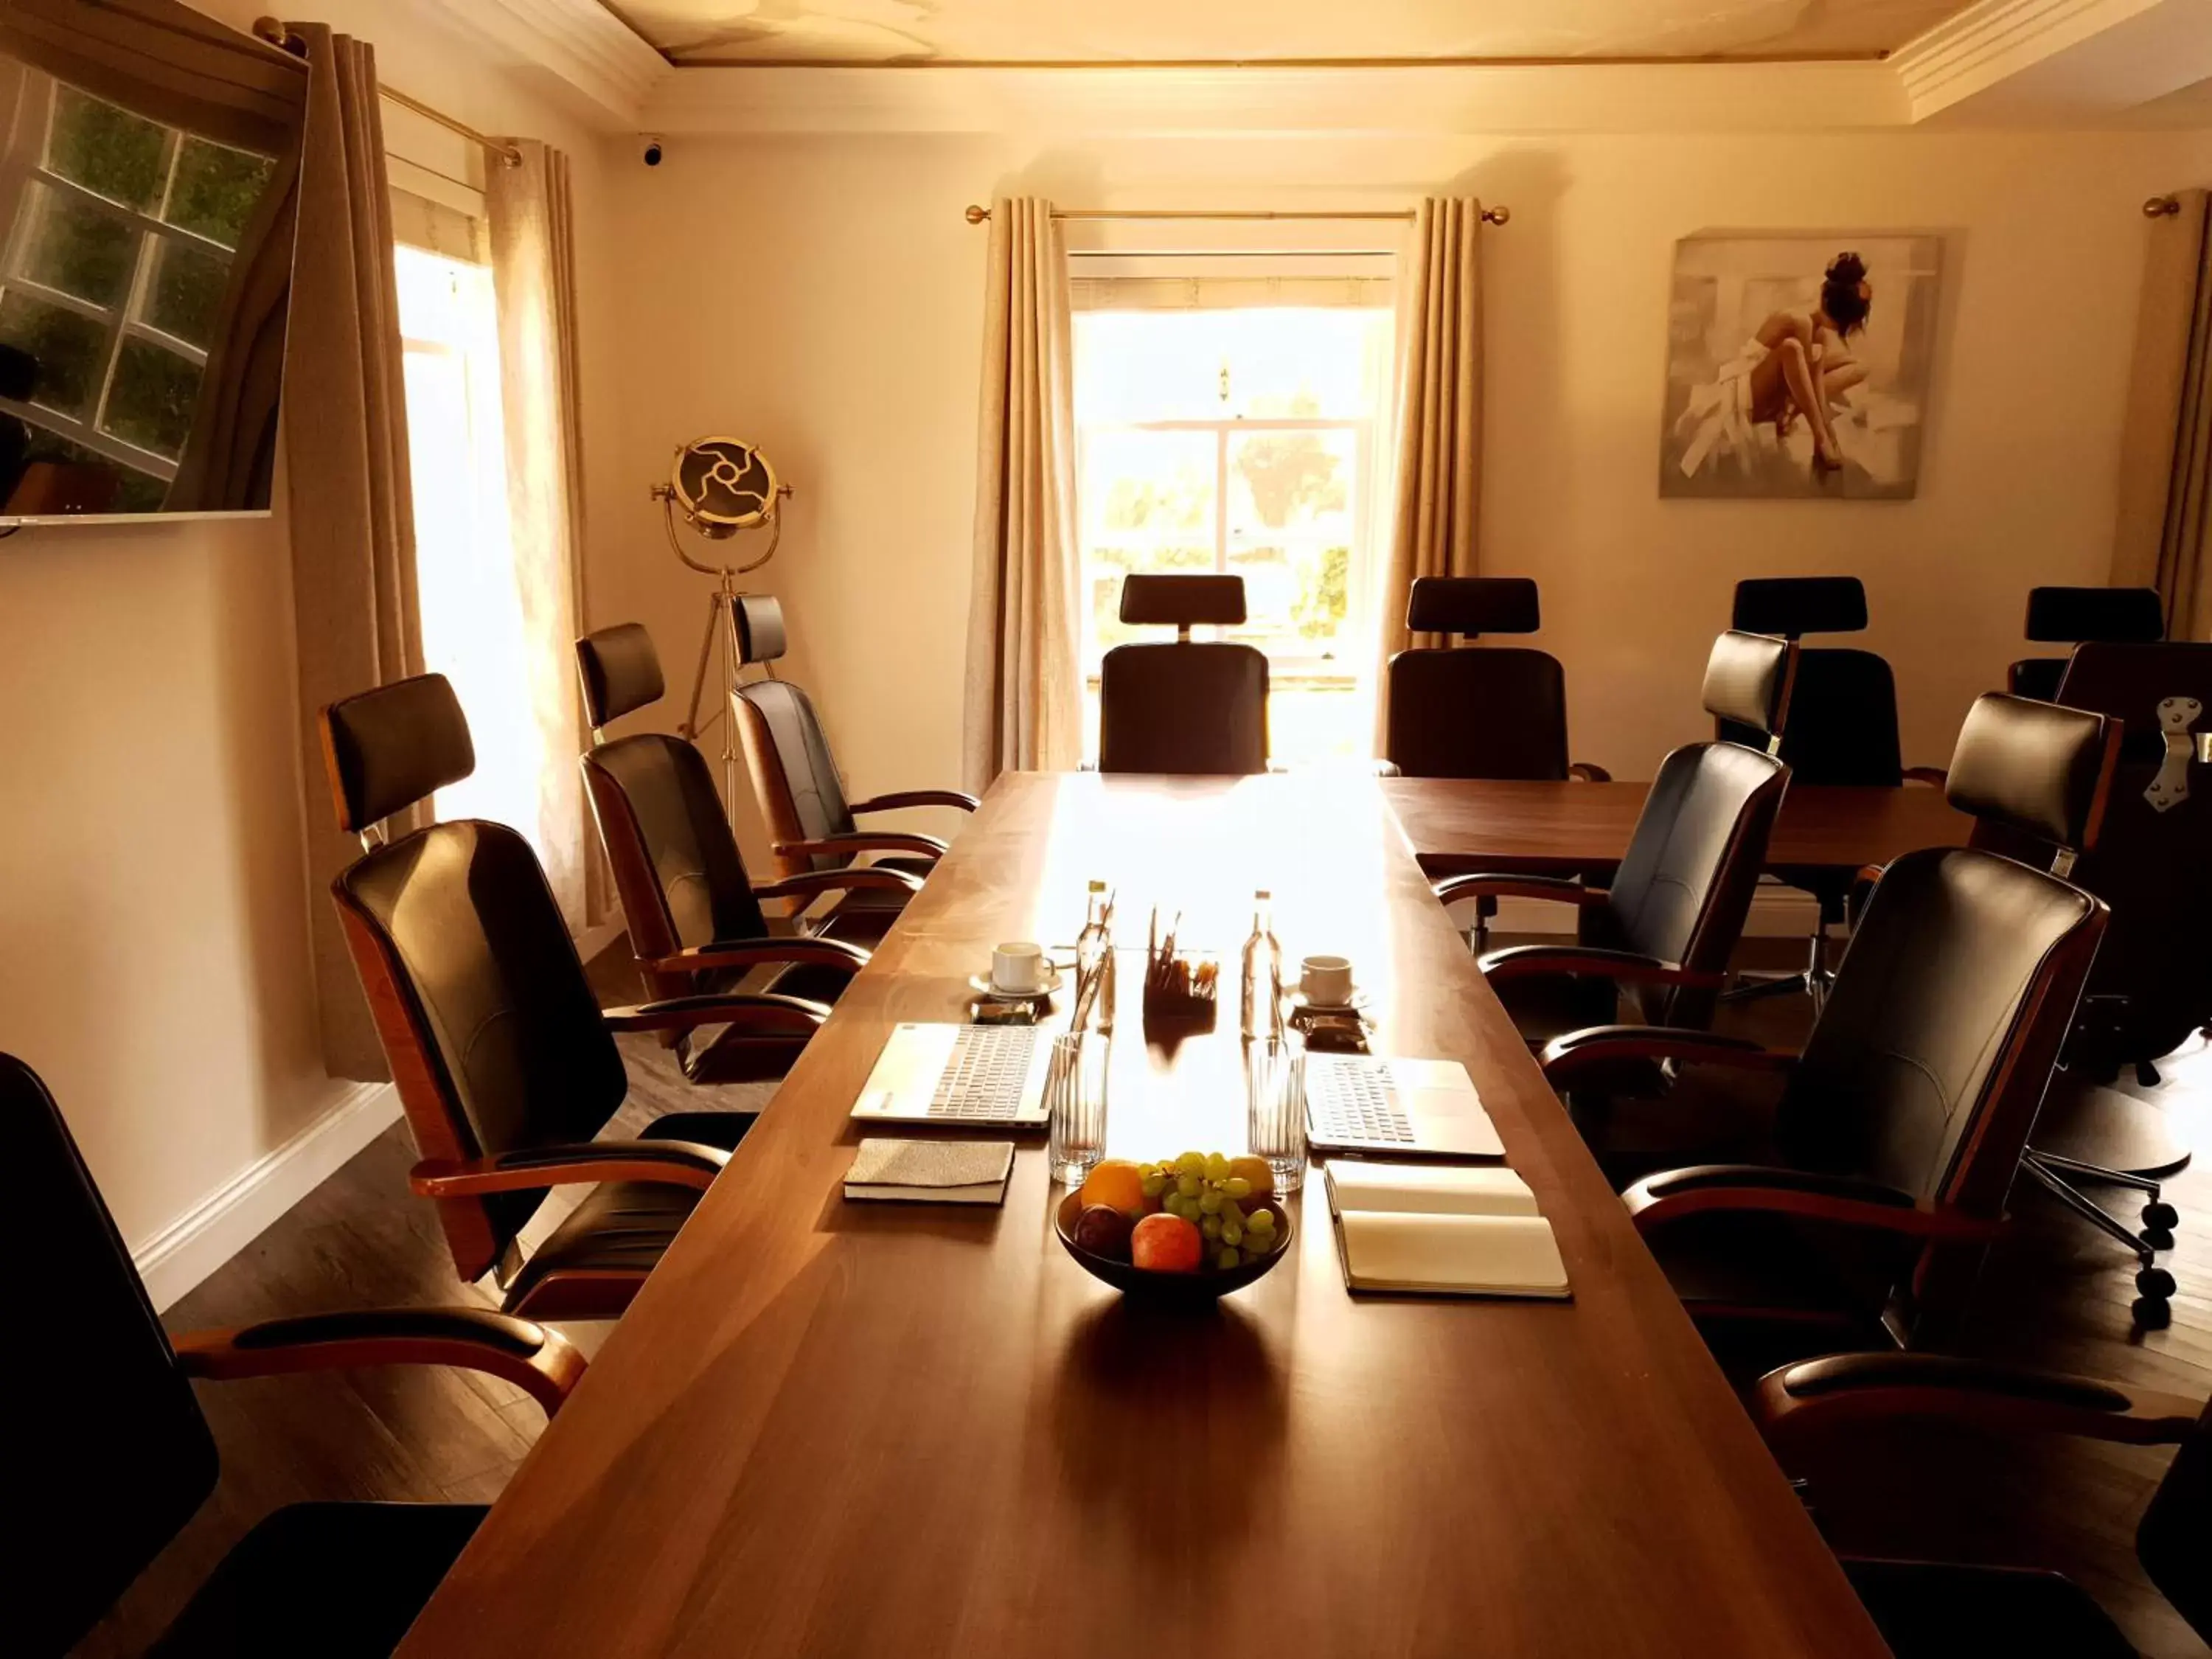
110,150
151,403
65,242
65,347
1291,534
1148,504
186,290
215,189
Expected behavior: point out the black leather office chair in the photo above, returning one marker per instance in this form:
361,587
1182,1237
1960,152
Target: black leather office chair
1188,707
2074,616
112,1456
1662,930
694,915
795,778
1842,730
1499,712
1817,1412
505,1063
1862,1203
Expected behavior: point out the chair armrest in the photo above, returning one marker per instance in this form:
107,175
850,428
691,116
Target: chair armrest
866,841
899,799
1589,773
665,1163
1566,1056
1774,1190
542,1363
1935,774
1453,889
1815,1395
1519,960
769,1014
858,877
754,953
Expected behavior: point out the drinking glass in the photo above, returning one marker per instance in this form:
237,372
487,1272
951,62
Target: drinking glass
1275,1105
1075,1099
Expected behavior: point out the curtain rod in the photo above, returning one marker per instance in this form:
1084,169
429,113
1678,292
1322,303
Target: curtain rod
1154,65
977,214
273,31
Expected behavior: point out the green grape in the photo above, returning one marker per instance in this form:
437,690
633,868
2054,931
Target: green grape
1232,1233
1176,1204
1210,1226
1188,1185
1229,1257
1237,1186
1229,1212
1191,1163
1209,1202
1152,1186
1261,1221
1216,1167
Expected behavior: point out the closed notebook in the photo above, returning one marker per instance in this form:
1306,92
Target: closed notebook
1427,1188
931,1171
1442,1229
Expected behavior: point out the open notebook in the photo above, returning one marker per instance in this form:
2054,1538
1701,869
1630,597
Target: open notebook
1441,1230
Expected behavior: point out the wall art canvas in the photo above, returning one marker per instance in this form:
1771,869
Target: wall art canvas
1797,365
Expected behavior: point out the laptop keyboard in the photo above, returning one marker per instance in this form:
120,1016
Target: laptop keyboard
1349,1097
983,1080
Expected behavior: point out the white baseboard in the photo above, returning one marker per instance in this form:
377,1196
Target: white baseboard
177,1258
1775,912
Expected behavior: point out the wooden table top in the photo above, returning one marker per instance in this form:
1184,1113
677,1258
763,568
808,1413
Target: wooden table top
832,1429
1457,826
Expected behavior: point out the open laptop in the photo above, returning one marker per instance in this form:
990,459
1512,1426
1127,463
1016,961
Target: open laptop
947,1073
1418,1108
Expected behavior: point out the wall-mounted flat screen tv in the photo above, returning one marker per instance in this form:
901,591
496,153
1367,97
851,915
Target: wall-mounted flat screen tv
148,189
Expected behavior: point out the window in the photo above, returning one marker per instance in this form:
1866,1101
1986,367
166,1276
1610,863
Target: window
114,275
1238,435
472,622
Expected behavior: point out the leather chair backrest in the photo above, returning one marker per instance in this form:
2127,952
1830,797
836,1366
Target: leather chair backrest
480,1002
111,1454
1182,601
392,746
676,867
794,775
1685,885
2028,769
1483,712
761,636
1471,606
621,672
2036,677
2173,1540
1794,606
2115,614
1193,709
1749,681
1842,724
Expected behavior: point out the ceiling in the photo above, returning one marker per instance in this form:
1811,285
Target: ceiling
874,31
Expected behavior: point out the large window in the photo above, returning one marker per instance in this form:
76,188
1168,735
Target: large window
1238,438
113,277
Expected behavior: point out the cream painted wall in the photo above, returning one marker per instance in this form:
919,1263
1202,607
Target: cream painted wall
827,304
153,904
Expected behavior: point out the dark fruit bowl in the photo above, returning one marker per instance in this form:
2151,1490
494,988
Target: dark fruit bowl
1204,1285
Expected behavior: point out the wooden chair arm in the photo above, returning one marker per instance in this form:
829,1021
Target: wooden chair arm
769,1014
900,799
866,841
664,1163
753,953
1815,1396
1774,1190
1521,961
1589,773
1931,774
542,1363
1579,1052
1453,889
856,878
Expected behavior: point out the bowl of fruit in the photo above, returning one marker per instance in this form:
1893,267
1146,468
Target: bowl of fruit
1189,1229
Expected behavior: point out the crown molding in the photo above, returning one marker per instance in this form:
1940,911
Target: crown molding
2022,60
579,43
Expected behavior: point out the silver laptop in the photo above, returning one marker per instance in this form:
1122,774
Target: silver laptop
958,1074
1367,1104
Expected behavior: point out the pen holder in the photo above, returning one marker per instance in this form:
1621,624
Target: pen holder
1182,987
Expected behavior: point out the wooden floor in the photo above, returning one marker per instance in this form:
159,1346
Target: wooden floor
2055,1293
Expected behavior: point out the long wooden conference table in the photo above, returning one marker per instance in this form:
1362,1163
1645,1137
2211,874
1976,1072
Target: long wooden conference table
891,1430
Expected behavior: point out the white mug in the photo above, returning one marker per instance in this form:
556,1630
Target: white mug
1018,967
1326,982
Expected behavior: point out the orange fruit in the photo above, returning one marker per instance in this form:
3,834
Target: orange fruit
1117,1183
1254,1170
1166,1244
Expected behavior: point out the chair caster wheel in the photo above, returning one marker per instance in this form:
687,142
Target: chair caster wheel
2155,1282
2162,1217
2158,1238
2152,1313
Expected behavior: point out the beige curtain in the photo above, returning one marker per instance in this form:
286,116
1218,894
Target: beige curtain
2165,527
345,441
533,262
1438,494
1023,699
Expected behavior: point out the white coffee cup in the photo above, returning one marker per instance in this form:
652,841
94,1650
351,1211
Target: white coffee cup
1326,982
1018,969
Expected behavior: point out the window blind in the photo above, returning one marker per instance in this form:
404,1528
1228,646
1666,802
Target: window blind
1211,293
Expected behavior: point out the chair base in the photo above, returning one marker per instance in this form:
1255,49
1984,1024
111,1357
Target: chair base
1812,980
